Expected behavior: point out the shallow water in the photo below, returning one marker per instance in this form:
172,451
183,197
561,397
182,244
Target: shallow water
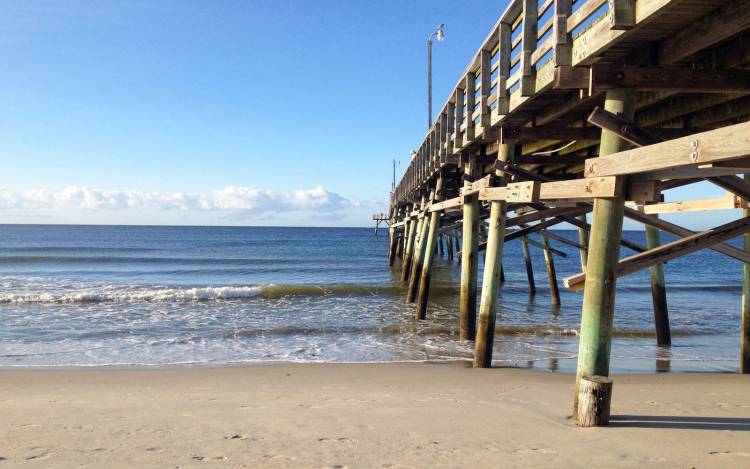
117,295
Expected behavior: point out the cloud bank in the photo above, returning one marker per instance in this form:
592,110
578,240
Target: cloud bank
231,199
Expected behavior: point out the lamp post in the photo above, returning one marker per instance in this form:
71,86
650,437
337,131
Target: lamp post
440,36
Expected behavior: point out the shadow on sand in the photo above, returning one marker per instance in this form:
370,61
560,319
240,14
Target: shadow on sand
687,423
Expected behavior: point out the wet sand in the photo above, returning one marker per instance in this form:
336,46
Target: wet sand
364,415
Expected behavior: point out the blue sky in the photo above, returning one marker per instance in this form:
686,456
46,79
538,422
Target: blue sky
222,112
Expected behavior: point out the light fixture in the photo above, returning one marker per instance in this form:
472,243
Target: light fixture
439,33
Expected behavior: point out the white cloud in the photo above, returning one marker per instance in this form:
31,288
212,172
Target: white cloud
232,199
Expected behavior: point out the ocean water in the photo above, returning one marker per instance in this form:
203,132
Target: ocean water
155,296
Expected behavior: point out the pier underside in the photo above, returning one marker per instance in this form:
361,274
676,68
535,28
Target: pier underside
583,113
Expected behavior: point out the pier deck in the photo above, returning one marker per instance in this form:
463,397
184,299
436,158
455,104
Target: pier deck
577,107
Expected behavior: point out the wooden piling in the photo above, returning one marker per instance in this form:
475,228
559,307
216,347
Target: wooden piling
594,401
420,251
408,246
529,266
597,311
469,260
449,244
658,291
745,322
426,273
392,245
551,275
491,280
441,249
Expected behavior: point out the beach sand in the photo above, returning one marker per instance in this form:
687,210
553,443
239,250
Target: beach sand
364,415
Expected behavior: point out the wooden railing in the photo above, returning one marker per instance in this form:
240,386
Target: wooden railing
516,61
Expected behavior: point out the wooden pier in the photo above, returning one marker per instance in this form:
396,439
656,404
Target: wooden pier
582,107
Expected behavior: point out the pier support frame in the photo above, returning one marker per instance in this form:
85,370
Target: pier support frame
604,249
429,255
493,267
469,259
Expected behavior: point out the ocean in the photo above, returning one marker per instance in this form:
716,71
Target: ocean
73,296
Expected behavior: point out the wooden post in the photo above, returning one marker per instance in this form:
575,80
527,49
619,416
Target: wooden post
441,248
426,273
604,249
583,240
594,400
529,267
469,260
492,270
392,237
420,251
658,291
450,247
745,323
550,263
458,242
411,229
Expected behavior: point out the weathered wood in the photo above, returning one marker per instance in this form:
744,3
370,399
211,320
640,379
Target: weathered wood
392,242
492,272
597,311
551,275
722,144
658,292
669,251
719,203
677,230
426,273
728,20
594,401
469,259
583,240
420,247
678,79
411,229
528,264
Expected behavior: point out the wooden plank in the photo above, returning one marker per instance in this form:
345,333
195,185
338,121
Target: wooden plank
726,143
581,188
580,15
528,47
550,132
669,78
719,203
447,205
522,191
670,251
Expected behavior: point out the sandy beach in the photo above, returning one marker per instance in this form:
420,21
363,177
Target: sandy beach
363,415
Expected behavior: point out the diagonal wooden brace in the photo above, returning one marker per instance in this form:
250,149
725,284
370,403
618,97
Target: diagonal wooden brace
670,251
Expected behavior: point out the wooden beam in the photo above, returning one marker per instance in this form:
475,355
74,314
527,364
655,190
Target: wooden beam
724,144
719,203
674,78
670,251
728,20
683,232
549,132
